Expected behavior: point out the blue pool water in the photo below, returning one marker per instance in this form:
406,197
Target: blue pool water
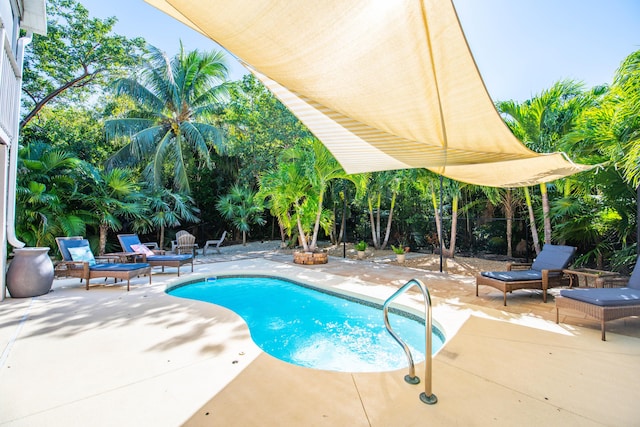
314,329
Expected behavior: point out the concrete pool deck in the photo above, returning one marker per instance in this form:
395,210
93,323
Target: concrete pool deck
108,357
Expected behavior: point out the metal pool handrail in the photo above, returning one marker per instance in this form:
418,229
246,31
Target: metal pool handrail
427,396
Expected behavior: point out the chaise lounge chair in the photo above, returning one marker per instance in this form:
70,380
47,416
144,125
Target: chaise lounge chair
215,244
185,243
545,271
604,303
131,244
78,261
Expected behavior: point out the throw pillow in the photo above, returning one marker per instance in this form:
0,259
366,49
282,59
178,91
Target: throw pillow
82,253
142,249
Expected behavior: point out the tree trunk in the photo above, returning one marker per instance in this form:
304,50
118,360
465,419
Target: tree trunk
103,238
244,238
378,224
532,221
82,79
161,243
508,213
333,234
388,231
373,224
454,227
434,201
302,237
283,235
546,214
343,223
316,226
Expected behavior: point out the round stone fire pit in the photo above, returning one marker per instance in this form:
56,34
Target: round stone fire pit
310,258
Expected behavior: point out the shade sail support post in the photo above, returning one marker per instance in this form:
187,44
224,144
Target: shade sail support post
441,225
445,141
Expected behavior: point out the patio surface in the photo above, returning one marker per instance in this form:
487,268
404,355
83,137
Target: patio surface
107,357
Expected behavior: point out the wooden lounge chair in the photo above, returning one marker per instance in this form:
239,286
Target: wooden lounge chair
185,243
546,271
604,303
78,261
215,244
131,244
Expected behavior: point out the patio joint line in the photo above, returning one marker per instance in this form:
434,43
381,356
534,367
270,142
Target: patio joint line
14,337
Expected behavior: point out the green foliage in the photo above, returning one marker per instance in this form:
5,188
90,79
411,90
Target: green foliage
361,246
398,249
497,245
243,208
75,60
163,208
73,129
297,187
258,129
174,100
46,197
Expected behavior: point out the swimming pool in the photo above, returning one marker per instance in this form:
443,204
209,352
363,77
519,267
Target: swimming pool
315,329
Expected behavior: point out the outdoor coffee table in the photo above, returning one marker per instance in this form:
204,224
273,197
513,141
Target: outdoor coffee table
599,276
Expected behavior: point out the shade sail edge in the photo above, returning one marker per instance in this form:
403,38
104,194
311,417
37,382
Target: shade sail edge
369,121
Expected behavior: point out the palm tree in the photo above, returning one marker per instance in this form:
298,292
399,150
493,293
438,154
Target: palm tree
320,167
608,133
381,186
541,122
426,182
165,208
111,196
296,190
173,97
287,191
46,195
243,208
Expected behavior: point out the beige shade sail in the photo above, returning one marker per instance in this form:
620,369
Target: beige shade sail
383,84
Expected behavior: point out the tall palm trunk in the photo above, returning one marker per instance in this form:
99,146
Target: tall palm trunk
508,213
454,226
161,237
436,212
532,221
104,229
388,231
316,226
546,214
302,237
374,232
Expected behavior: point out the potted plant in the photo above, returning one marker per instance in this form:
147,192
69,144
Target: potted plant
400,253
361,247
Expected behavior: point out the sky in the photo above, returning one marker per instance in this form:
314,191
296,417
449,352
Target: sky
521,47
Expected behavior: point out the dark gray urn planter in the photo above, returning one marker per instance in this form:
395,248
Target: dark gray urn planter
30,273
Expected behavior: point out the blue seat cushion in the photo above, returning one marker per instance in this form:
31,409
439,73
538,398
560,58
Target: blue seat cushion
169,257
604,297
128,240
65,244
118,266
634,280
553,257
514,276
